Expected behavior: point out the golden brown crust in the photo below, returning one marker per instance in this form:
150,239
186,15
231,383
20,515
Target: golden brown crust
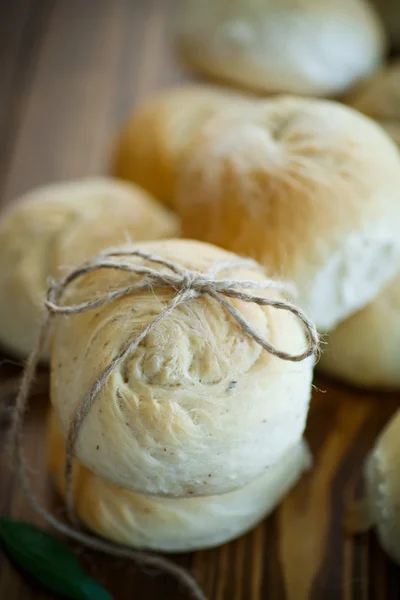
154,140
198,408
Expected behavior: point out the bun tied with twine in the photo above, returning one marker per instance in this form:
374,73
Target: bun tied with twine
181,370
177,369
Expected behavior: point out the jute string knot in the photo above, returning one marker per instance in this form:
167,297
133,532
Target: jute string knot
188,285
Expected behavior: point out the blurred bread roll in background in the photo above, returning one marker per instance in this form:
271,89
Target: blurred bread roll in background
389,11
309,188
313,47
173,524
154,140
59,225
364,350
199,408
382,476
379,98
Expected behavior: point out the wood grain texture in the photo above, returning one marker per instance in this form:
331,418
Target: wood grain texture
70,73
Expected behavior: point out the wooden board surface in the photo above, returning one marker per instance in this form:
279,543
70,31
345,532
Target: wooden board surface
70,72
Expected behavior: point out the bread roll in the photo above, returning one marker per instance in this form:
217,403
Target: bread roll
313,47
379,98
199,408
154,140
364,350
308,187
59,225
383,488
173,524
389,11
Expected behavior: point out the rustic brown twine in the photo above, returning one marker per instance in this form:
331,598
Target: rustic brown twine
188,285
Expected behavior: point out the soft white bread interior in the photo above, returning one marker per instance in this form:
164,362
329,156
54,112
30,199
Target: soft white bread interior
56,226
173,524
199,408
313,47
382,475
310,188
364,350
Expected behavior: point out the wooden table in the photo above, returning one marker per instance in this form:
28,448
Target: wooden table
70,72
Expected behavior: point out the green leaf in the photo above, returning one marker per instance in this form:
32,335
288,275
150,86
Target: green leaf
46,559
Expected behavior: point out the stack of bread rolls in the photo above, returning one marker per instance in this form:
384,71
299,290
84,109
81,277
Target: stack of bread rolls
199,433
310,189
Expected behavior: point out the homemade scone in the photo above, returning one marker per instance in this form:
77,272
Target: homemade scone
312,47
379,98
57,226
309,188
199,407
173,524
154,140
381,508
364,350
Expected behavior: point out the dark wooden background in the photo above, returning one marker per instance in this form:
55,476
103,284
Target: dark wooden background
70,72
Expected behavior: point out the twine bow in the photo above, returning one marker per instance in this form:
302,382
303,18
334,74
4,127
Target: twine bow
188,285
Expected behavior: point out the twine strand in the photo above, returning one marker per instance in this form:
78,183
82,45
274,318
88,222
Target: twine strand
188,285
